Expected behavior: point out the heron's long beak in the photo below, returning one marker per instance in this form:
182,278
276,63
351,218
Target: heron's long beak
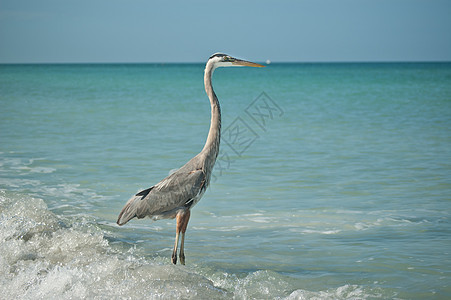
239,62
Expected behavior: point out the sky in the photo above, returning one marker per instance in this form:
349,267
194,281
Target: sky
141,31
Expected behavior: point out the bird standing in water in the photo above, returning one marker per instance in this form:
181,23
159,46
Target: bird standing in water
175,195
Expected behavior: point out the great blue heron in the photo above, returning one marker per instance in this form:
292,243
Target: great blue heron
175,195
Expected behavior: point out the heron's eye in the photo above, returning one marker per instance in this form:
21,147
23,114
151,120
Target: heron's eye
227,58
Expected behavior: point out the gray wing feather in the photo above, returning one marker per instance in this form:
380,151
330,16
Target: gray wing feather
171,193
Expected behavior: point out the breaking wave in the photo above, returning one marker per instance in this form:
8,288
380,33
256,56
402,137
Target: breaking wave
46,256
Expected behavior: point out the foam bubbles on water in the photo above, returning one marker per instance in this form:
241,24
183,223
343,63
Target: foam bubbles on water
343,292
45,256
42,257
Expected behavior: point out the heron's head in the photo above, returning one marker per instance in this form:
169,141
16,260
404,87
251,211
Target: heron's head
224,60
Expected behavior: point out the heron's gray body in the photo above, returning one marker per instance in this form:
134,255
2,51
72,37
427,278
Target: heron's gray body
175,195
179,191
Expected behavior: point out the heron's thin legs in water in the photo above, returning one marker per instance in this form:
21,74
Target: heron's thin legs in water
182,245
182,223
174,252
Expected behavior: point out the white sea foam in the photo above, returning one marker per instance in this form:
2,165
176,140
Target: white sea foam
47,257
342,292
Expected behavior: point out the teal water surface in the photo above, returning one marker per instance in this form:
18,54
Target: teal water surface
333,181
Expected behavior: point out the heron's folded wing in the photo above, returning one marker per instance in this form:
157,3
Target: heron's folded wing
172,192
175,191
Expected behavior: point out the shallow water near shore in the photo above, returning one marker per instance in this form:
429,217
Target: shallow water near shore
333,181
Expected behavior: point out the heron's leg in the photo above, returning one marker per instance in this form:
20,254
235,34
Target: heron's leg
174,252
178,228
184,224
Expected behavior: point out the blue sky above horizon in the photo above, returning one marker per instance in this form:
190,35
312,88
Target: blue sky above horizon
72,31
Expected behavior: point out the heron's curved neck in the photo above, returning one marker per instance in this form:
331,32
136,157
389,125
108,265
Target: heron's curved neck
214,135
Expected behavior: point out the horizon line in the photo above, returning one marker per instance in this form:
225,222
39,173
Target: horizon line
267,62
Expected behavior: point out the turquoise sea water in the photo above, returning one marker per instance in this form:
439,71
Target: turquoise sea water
333,182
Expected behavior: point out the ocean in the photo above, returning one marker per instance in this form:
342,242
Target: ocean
333,181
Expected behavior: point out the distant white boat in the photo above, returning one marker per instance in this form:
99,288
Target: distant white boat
268,61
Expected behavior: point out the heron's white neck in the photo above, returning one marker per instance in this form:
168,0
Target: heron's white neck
211,147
